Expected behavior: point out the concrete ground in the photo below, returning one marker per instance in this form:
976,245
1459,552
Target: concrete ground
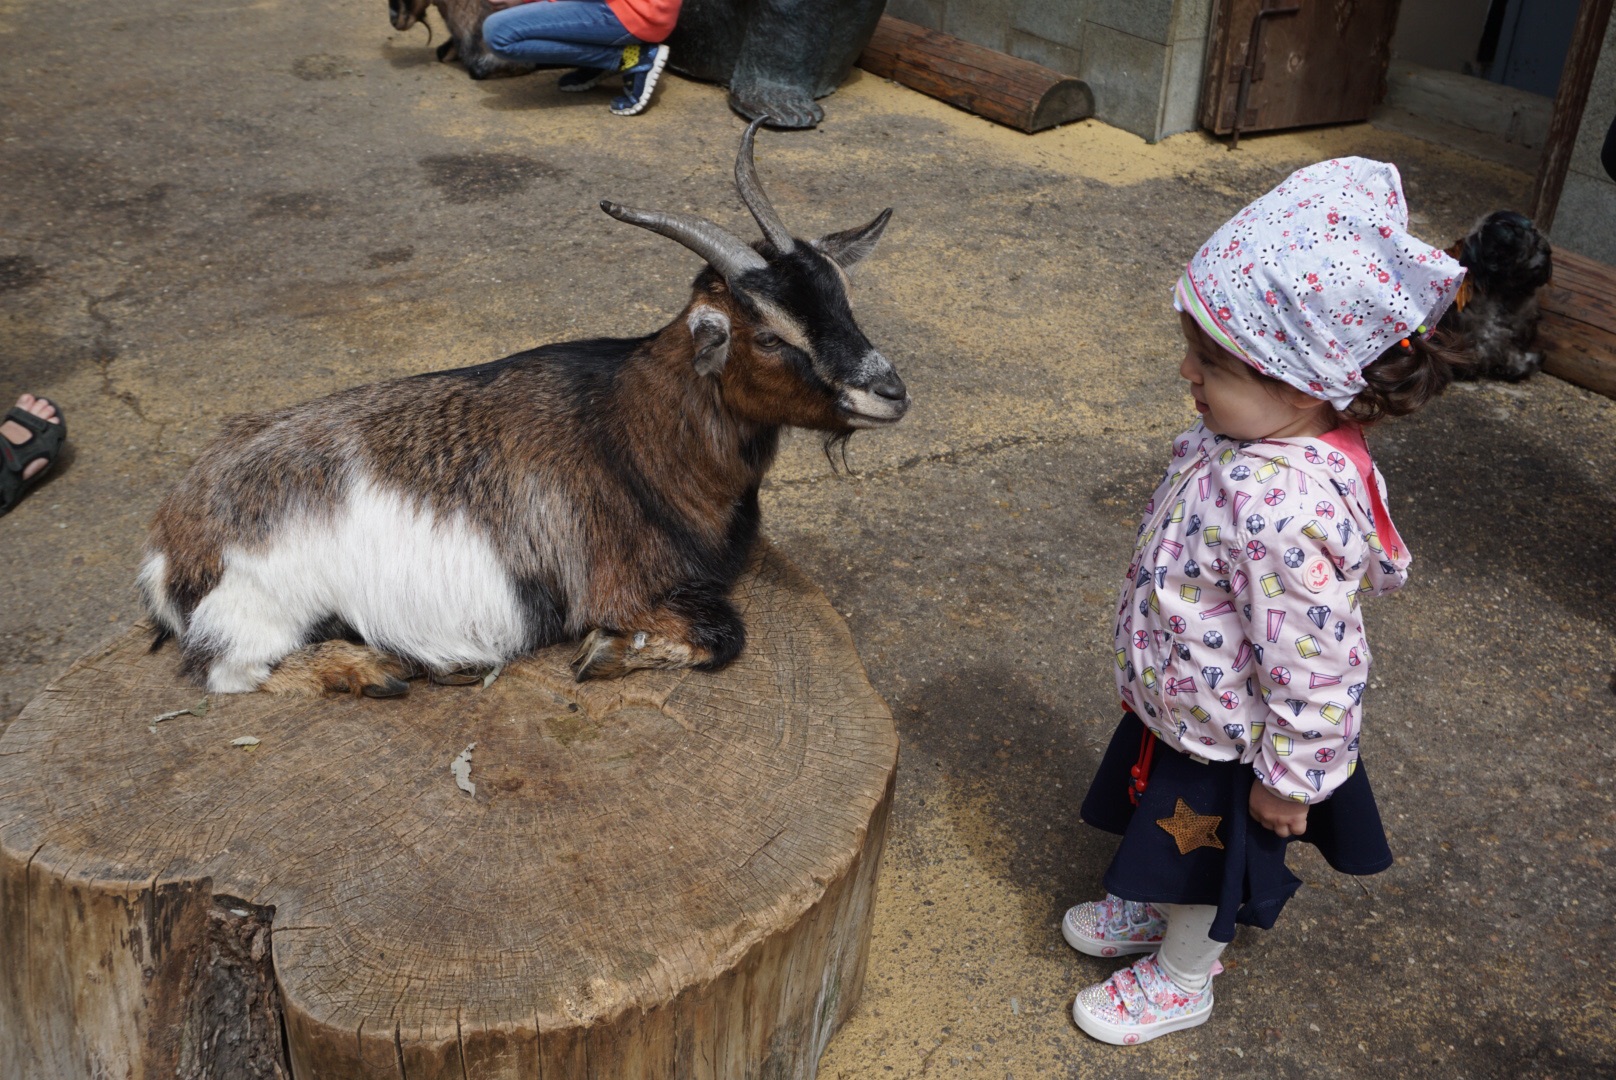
207,208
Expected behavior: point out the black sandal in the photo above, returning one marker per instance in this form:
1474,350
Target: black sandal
45,442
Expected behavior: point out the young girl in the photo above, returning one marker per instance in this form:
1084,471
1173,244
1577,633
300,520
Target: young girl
1240,650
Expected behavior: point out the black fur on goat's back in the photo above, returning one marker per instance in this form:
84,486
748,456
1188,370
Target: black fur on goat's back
588,360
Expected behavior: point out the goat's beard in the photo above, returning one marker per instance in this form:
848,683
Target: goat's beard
836,444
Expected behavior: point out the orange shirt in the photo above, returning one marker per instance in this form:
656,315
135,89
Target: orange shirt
648,20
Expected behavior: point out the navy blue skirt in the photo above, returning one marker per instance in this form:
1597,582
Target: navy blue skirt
1246,878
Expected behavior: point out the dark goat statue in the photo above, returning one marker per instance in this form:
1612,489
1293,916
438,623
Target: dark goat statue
446,523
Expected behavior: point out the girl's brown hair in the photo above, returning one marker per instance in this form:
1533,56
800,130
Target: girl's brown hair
1403,380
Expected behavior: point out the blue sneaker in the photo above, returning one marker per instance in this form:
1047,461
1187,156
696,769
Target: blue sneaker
640,78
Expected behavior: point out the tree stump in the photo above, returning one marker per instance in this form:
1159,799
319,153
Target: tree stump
668,875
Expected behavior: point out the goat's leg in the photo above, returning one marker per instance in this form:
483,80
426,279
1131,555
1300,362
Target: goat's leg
701,632
340,667
238,633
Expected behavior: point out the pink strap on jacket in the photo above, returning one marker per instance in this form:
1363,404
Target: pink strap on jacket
1348,438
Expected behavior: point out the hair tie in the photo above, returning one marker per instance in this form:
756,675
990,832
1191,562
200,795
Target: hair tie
1419,331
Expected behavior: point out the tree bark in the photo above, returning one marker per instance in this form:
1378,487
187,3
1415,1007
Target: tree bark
668,875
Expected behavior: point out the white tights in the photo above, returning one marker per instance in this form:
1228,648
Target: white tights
1187,953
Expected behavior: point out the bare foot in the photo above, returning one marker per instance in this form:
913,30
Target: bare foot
15,434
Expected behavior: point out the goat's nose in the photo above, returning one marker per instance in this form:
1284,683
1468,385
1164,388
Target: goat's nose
891,387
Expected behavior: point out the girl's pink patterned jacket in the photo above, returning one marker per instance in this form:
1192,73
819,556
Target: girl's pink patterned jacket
1239,634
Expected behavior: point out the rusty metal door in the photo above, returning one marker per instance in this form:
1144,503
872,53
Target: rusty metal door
1291,63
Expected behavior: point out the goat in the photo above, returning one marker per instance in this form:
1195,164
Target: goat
456,520
1496,314
464,20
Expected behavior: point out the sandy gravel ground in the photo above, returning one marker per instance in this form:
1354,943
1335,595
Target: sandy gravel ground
211,208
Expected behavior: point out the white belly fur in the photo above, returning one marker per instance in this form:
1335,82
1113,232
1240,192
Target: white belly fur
424,587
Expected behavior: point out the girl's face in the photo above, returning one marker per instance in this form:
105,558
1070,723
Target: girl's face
1237,402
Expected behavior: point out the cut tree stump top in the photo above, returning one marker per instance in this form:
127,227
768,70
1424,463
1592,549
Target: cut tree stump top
627,840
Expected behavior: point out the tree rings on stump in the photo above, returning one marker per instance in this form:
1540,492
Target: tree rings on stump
667,875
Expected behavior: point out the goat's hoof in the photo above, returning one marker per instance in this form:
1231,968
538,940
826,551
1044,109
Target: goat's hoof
459,676
599,657
390,687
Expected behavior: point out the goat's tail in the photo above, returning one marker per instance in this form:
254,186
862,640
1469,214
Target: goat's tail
153,584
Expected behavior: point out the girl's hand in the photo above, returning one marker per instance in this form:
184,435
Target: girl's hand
1287,817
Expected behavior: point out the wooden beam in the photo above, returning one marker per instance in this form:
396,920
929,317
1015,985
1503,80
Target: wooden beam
1005,89
1587,38
1578,333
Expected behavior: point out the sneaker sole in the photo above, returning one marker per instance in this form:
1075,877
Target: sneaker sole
651,78
1133,1034
1096,947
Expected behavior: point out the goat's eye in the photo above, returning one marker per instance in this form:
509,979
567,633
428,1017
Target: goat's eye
766,339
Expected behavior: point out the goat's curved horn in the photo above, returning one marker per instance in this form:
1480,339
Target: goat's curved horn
746,181
722,251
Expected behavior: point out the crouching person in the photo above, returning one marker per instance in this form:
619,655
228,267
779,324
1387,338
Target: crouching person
598,38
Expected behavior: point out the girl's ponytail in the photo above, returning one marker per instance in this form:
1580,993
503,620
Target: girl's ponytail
1403,380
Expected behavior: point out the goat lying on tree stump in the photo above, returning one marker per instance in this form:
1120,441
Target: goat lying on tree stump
457,520
652,878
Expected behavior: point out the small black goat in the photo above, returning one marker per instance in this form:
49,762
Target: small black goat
459,519
1508,261
464,20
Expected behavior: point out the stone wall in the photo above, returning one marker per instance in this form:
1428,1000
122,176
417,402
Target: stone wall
1586,219
1142,58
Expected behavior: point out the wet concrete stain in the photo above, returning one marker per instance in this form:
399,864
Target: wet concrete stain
19,272
390,257
471,178
142,210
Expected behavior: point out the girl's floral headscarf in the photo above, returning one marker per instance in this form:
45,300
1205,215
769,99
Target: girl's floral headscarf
1319,277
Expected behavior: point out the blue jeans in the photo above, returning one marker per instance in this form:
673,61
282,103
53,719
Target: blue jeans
558,33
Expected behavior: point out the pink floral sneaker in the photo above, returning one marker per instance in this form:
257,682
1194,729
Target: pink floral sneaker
1113,927
1139,1003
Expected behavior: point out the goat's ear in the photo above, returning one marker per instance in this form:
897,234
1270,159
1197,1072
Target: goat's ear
709,335
851,245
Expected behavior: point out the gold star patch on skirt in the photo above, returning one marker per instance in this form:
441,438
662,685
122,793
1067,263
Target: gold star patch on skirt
1190,830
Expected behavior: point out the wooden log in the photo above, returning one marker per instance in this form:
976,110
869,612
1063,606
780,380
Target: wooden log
669,875
1002,88
1578,333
